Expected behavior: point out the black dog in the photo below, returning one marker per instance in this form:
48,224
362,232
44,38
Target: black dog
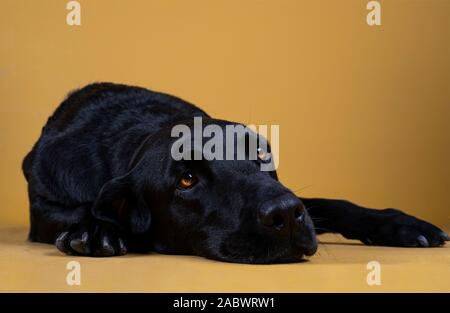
101,182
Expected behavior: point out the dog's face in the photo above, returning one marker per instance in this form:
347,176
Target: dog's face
227,210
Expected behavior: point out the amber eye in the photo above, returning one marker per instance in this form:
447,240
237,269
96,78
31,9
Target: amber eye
187,180
263,155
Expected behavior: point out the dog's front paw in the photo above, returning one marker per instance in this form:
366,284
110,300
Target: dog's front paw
96,239
395,228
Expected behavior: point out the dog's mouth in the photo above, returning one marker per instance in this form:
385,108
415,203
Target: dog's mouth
288,252
283,256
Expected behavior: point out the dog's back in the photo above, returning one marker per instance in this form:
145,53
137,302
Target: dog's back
101,103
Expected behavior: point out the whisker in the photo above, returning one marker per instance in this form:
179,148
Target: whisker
321,228
312,207
319,219
301,188
324,247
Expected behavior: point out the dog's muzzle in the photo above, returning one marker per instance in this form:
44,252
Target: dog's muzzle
286,218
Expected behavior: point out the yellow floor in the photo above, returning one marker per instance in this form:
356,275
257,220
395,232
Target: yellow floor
339,266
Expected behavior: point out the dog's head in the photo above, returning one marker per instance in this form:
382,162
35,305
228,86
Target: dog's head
227,210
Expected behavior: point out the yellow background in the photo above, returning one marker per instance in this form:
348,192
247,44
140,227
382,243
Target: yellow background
364,114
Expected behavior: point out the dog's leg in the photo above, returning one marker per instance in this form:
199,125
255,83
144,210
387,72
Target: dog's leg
92,237
388,227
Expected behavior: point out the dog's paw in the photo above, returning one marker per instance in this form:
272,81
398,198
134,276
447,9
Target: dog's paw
96,239
395,228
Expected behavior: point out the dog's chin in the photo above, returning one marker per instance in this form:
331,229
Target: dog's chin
283,256
250,249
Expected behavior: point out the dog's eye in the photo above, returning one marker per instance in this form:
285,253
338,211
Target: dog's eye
263,155
187,180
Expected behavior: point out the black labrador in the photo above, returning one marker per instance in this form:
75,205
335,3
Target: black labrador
102,181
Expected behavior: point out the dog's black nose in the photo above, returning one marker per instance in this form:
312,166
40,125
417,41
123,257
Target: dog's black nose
282,214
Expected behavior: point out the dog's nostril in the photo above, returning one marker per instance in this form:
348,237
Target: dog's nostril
277,221
298,213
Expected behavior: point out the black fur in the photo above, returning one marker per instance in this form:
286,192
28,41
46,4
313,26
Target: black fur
102,182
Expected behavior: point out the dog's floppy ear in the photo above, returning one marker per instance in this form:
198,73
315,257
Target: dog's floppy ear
120,204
